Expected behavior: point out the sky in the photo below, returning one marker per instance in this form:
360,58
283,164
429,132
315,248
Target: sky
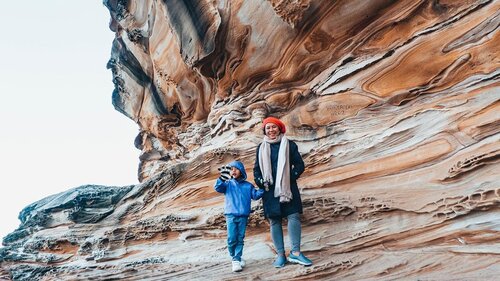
58,127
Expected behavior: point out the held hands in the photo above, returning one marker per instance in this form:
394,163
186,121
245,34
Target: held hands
225,173
265,184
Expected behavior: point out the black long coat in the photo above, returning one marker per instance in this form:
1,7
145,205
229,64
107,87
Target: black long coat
272,206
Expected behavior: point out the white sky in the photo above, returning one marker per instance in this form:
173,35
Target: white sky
58,128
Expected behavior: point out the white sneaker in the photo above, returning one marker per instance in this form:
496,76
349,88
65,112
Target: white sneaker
237,266
242,262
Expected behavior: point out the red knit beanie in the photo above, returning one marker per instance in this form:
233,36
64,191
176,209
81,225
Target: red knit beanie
275,121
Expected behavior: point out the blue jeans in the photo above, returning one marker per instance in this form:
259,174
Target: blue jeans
294,233
236,227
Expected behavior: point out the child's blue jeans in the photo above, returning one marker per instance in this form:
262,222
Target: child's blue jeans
236,227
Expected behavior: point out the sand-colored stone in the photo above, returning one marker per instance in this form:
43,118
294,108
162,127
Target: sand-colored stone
394,106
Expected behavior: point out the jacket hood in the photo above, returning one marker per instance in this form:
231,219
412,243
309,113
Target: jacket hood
238,165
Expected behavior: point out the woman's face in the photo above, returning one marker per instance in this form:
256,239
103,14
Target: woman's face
272,130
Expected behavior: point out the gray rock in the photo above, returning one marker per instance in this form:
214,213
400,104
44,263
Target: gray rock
84,204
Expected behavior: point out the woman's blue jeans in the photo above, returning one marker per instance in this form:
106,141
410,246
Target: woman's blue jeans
294,232
236,227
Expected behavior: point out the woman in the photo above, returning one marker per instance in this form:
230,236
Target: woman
278,165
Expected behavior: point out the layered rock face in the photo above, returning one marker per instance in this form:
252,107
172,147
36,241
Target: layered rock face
394,106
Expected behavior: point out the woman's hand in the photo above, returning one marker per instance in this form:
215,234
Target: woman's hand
262,183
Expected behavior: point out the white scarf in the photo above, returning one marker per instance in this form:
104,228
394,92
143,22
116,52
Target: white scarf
282,186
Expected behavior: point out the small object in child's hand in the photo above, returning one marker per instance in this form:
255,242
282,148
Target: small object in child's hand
225,173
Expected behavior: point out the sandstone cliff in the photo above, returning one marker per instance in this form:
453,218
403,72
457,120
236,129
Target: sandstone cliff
395,108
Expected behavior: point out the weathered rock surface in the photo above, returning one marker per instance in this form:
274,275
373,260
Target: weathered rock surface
395,107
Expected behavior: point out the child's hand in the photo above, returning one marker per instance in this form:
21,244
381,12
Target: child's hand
225,173
264,183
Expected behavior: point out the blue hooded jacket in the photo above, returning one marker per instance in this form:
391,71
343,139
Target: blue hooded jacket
239,192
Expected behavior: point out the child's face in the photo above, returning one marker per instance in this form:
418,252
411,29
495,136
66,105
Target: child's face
235,173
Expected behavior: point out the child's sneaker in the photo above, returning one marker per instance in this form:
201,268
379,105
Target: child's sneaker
237,266
300,259
243,262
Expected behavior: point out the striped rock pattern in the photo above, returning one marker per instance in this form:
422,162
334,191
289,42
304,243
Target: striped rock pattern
395,108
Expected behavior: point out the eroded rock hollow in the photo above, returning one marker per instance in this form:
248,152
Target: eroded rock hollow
395,108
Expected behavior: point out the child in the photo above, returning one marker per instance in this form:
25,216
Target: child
238,193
